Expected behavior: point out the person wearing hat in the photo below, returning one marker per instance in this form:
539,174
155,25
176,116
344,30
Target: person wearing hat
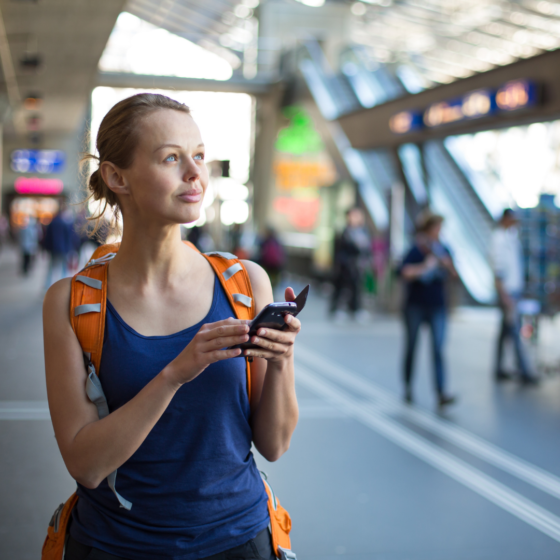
507,263
425,269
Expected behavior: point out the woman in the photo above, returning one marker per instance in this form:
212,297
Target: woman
181,426
425,269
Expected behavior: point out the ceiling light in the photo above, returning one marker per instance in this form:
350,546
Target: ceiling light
31,61
358,9
242,11
32,102
312,3
250,3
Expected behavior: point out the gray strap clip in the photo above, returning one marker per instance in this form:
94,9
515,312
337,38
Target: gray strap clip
234,268
286,554
243,299
95,393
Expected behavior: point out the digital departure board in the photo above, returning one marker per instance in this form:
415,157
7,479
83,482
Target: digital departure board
512,96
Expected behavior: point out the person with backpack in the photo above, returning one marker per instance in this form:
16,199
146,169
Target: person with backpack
158,433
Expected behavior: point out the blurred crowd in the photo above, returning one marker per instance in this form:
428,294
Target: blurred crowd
360,267
65,241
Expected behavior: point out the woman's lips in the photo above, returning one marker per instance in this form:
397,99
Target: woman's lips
191,196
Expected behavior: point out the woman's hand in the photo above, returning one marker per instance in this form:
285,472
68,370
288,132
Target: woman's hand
275,345
207,347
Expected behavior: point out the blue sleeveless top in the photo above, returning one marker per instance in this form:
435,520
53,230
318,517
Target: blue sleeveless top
193,482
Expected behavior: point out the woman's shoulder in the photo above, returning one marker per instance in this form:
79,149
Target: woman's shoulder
57,299
260,282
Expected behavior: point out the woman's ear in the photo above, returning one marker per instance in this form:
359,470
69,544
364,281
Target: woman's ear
114,178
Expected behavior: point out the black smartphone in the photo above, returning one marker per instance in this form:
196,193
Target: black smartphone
272,317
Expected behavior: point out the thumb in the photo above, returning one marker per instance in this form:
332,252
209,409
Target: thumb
289,294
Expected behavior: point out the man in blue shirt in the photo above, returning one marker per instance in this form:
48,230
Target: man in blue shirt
425,269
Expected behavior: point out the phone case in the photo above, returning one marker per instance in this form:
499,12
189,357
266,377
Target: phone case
271,317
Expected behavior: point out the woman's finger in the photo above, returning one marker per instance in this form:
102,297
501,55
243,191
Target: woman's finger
294,324
267,344
284,337
218,355
217,330
223,342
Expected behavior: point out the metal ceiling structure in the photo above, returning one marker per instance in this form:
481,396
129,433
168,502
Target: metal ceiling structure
441,41
53,47
226,27
431,41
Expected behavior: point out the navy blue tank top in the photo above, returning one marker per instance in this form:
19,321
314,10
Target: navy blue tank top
193,482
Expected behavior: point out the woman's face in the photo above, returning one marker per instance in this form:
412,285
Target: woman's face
168,177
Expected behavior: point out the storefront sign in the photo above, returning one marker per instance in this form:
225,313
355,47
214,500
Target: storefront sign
35,185
38,161
295,174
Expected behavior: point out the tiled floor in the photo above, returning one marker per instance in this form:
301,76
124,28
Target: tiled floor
366,477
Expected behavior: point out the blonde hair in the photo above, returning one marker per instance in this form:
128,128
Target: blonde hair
116,142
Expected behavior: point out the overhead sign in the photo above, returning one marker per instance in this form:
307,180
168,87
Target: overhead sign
514,95
406,121
36,185
38,161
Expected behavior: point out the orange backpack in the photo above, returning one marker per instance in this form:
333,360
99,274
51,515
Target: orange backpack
87,315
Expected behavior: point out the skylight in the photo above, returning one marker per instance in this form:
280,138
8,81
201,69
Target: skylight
138,47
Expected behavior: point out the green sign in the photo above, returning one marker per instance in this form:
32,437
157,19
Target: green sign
299,137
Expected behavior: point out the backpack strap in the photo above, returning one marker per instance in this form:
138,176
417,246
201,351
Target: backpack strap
235,280
88,304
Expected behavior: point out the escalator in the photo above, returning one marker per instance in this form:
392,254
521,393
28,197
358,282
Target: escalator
431,173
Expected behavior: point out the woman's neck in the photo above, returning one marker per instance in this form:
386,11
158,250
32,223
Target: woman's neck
151,256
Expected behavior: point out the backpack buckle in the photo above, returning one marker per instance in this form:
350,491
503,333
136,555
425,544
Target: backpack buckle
286,554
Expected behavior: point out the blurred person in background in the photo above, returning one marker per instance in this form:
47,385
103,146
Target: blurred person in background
272,256
238,247
4,230
28,237
352,253
425,269
59,242
507,262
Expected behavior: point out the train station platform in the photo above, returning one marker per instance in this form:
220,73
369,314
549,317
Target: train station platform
367,477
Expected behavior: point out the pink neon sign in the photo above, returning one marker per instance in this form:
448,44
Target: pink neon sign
35,185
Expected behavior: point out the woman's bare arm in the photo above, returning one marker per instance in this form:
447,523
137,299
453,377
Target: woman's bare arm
273,396
93,448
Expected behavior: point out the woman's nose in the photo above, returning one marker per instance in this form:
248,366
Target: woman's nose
192,172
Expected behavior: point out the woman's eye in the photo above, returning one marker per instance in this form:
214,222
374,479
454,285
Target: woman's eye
199,156
172,157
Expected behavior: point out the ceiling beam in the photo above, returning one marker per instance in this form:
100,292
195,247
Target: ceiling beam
140,81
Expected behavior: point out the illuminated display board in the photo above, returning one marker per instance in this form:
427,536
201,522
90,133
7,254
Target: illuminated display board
514,95
472,106
406,121
38,161
36,185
